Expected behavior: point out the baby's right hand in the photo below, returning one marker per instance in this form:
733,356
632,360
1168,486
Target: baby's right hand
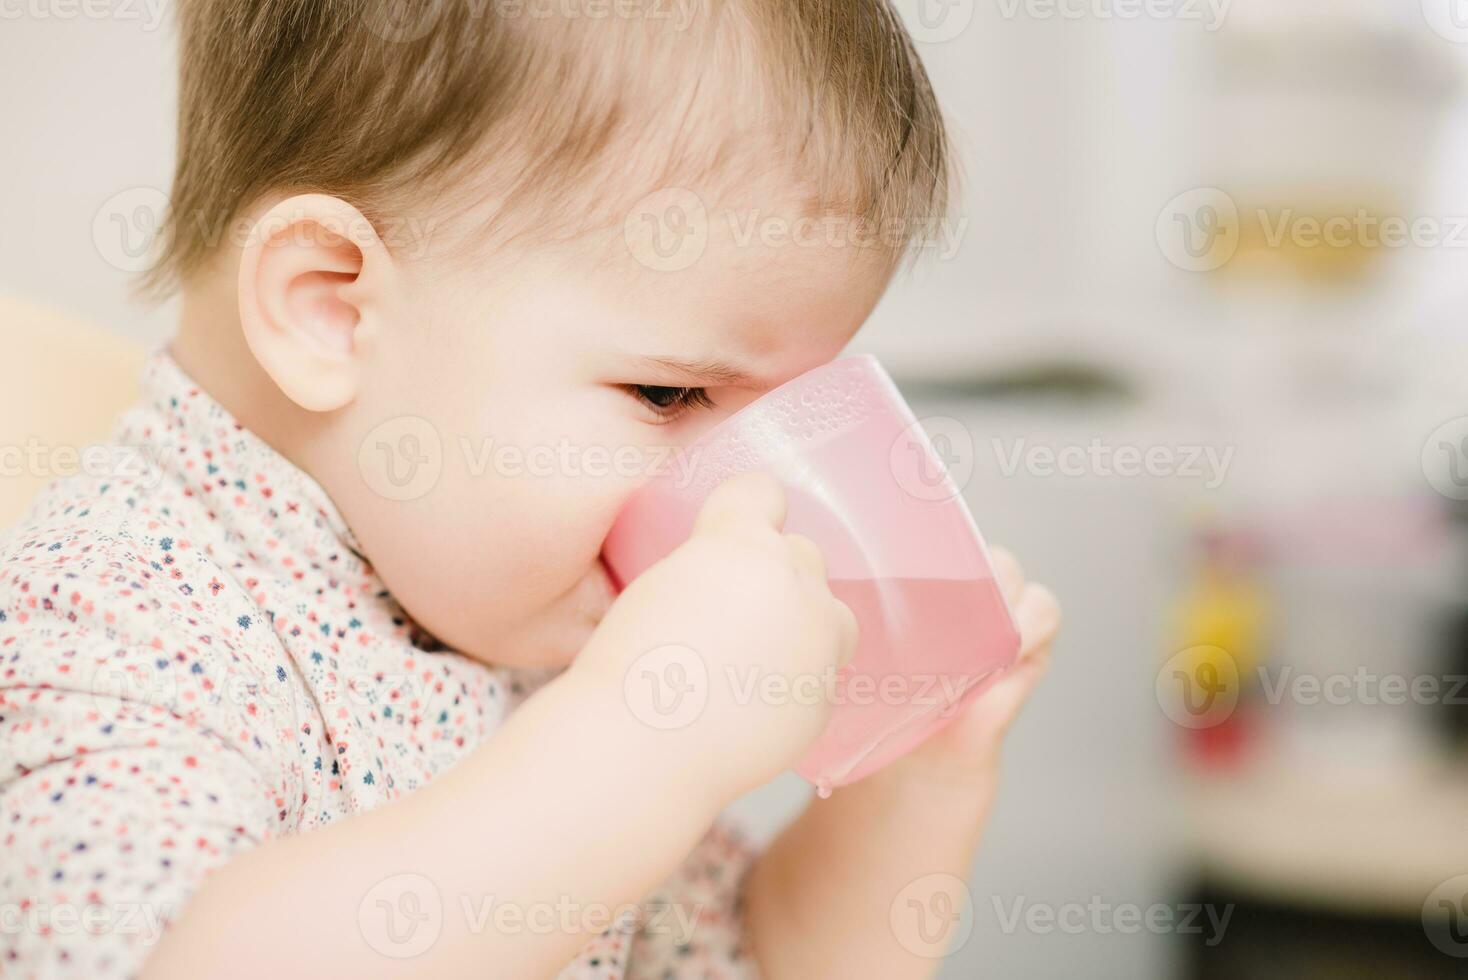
726,647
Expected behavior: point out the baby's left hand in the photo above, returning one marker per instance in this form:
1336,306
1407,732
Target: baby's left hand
961,755
929,807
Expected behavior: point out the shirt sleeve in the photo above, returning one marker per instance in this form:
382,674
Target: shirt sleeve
694,926
126,777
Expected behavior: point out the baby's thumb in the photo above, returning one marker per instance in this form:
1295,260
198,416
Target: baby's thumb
744,500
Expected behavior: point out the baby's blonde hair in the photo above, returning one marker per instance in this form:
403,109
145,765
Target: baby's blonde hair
555,113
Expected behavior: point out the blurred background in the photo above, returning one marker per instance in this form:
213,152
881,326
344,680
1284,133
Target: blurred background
1196,347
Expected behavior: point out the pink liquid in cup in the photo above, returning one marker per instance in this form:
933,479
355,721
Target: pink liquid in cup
862,481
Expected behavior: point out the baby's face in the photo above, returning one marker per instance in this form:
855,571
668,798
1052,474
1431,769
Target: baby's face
507,412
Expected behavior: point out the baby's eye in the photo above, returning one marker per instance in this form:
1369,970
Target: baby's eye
668,403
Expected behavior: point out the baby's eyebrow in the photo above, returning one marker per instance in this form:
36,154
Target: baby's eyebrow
704,371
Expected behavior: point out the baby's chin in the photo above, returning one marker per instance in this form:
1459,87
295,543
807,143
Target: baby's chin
553,637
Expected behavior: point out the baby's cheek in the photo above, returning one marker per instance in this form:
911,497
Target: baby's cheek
515,553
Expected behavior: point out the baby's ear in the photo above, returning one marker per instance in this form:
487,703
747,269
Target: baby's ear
315,280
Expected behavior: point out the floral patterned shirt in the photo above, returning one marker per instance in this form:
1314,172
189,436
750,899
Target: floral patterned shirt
195,659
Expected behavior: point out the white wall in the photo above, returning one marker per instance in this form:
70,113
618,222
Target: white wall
87,114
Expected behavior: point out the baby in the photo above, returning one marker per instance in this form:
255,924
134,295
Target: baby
331,686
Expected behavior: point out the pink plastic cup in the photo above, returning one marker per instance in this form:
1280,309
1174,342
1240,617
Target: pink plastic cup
901,550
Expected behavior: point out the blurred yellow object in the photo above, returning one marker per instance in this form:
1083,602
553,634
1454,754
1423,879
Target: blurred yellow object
1327,243
66,382
1225,610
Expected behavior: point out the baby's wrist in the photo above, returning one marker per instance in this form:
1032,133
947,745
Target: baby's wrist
935,781
665,760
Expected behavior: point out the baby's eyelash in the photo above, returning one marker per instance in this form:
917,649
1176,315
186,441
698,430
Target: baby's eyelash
668,402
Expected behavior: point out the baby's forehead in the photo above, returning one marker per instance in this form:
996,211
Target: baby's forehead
708,298
754,305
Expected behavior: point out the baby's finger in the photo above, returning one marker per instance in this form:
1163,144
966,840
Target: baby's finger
1037,614
807,555
997,708
850,631
1008,573
750,498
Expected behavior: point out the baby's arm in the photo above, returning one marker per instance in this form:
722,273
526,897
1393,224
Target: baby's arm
548,810
117,814
695,924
